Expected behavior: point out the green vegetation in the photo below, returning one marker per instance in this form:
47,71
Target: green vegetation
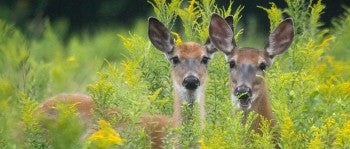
309,85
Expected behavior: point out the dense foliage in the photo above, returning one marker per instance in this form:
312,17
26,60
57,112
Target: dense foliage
309,85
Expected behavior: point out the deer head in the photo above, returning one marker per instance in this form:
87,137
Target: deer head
248,65
189,60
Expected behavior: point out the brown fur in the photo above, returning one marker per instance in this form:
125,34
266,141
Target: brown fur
177,118
185,51
190,50
247,66
263,108
83,103
248,55
261,104
189,60
153,124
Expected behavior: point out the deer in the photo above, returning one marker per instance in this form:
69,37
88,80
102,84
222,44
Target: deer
189,72
248,89
189,63
154,125
83,103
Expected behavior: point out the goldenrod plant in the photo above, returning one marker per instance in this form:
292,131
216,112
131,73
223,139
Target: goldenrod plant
106,136
301,82
309,86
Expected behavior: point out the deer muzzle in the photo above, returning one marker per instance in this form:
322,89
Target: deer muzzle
244,94
191,82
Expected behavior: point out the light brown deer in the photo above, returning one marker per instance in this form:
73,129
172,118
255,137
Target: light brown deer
189,62
153,124
248,65
83,103
189,68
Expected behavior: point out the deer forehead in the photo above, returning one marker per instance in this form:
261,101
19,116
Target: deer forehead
190,50
249,55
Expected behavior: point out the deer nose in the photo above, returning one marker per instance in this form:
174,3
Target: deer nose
191,82
243,92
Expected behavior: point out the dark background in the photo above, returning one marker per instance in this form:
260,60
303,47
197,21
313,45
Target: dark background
91,14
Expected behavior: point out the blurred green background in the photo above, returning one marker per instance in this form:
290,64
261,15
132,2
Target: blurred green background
91,15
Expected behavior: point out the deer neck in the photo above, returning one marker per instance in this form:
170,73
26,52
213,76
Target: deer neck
188,96
262,107
181,96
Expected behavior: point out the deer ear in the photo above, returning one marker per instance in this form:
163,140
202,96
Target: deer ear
281,38
221,34
210,46
160,36
229,21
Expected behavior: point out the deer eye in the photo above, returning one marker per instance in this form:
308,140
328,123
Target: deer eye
232,64
262,66
205,60
175,60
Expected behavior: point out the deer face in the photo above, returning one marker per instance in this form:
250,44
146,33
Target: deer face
247,69
189,60
248,65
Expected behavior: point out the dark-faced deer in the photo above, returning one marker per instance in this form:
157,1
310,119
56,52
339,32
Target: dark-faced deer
248,65
189,68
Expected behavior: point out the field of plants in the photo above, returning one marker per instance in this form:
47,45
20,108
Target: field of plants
309,85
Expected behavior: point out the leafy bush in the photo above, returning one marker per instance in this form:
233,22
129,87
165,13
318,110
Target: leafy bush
302,83
309,85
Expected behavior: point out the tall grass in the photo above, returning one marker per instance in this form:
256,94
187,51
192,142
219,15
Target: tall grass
309,85
303,82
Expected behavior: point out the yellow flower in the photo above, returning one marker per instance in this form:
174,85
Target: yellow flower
154,95
274,14
346,130
344,88
320,69
332,86
178,40
315,143
106,135
127,42
325,42
130,72
202,144
191,7
329,122
71,59
345,116
343,136
287,128
330,59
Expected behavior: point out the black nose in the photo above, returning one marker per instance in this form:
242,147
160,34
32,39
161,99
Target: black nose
191,82
243,92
